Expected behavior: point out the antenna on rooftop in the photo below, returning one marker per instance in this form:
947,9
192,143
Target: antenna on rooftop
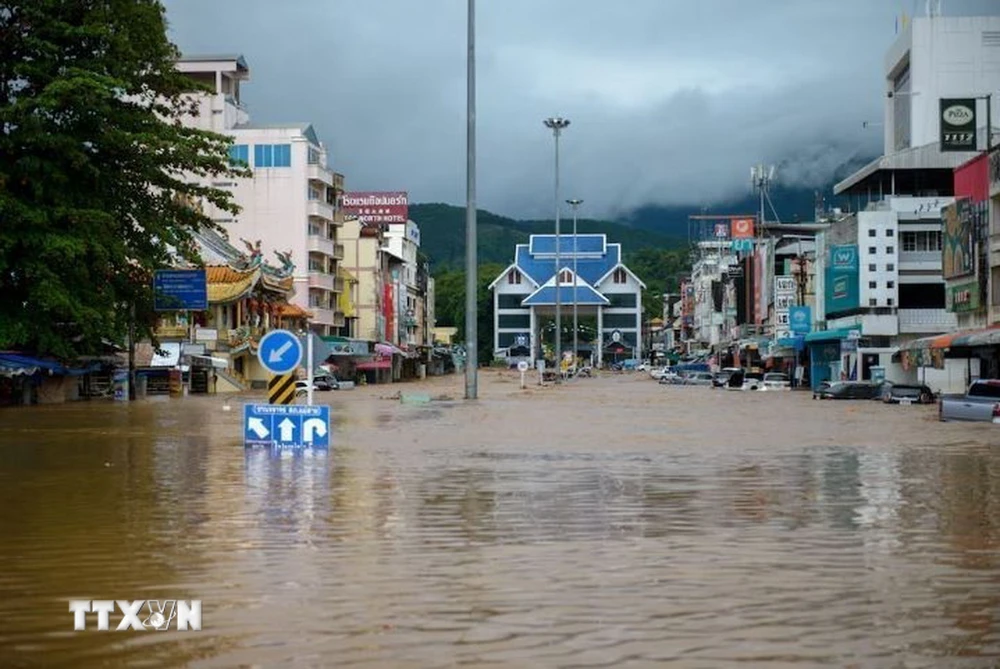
761,177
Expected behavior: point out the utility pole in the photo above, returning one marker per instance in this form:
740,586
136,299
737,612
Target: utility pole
471,250
575,203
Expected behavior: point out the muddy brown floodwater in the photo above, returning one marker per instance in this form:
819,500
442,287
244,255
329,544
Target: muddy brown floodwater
609,522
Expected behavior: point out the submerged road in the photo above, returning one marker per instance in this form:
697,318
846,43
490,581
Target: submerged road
609,522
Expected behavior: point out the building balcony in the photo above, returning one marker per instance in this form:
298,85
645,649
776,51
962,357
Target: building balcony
339,320
338,182
321,280
338,251
338,285
317,172
320,244
320,209
926,321
322,316
919,260
171,332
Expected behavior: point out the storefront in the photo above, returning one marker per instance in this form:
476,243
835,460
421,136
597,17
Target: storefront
830,356
950,362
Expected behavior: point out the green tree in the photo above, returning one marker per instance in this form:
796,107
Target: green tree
449,288
98,175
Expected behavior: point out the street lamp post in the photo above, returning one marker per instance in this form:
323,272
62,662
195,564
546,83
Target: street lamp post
576,348
556,124
471,281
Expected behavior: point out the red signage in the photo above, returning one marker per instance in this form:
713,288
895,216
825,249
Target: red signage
742,228
376,207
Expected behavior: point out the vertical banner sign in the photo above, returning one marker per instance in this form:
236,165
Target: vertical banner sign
958,124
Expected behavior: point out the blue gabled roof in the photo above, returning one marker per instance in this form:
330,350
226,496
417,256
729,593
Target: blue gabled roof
547,295
590,269
545,245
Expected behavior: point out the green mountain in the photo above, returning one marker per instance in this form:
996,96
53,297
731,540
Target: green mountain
442,234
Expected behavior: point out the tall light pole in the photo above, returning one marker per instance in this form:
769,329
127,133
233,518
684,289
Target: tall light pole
556,124
471,281
576,348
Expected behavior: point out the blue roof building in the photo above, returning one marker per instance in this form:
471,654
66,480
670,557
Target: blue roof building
591,274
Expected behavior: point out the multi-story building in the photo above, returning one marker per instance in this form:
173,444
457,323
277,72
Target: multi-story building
364,259
410,285
524,295
290,203
884,280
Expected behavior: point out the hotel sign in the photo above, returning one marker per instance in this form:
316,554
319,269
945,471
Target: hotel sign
958,124
964,297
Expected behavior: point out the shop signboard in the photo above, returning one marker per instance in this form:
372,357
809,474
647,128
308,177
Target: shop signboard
841,292
958,124
963,298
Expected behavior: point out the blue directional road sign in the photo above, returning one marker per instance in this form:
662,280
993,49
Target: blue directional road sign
280,352
286,426
180,290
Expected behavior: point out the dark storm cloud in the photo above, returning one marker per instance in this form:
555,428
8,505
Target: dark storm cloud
670,102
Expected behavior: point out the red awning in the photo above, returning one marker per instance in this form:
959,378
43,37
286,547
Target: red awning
374,364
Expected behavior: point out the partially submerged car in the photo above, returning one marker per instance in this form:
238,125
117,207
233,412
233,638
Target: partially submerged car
845,390
905,393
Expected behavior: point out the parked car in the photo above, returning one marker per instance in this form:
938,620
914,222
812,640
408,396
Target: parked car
321,382
981,402
698,379
909,393
845,390
776,381
722,377
743,380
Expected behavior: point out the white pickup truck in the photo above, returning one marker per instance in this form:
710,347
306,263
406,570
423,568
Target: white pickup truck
980,403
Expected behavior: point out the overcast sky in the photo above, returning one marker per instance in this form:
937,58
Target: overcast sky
670,102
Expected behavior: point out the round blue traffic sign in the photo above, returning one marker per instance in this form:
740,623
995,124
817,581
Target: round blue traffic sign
280,352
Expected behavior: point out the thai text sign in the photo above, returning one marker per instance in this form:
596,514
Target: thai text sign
964,297
958,124
376,207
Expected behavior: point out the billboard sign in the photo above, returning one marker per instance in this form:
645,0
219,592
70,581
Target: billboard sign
958,124
842,290
376,207
963,298
721,231
742,228
956,242
800,319
180,290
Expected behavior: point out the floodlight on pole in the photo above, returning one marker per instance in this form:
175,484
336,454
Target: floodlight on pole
557,124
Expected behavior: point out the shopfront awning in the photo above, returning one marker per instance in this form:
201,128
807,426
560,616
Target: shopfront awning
829,335
168,356
373,364
16,364
388,349
958,339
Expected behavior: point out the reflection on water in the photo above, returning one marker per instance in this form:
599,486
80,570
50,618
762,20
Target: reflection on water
385,552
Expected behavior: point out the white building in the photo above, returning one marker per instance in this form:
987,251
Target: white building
289,204
938,57
524,295
411,284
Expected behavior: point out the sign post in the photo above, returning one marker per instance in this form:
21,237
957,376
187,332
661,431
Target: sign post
280,353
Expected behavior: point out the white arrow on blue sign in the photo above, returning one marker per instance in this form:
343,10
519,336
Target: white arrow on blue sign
286,426
280,352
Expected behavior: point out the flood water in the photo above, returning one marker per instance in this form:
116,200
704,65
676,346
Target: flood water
610,522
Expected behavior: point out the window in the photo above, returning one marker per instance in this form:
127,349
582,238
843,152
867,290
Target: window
313,156
272,155
565,276
891,267
239,154
872,267
872,302
890,284
620,276
315,193
871,232
509,301
890,232
625,300
514,277
922,241
873,284
892,249
872,250
619,320
889,302
518,321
